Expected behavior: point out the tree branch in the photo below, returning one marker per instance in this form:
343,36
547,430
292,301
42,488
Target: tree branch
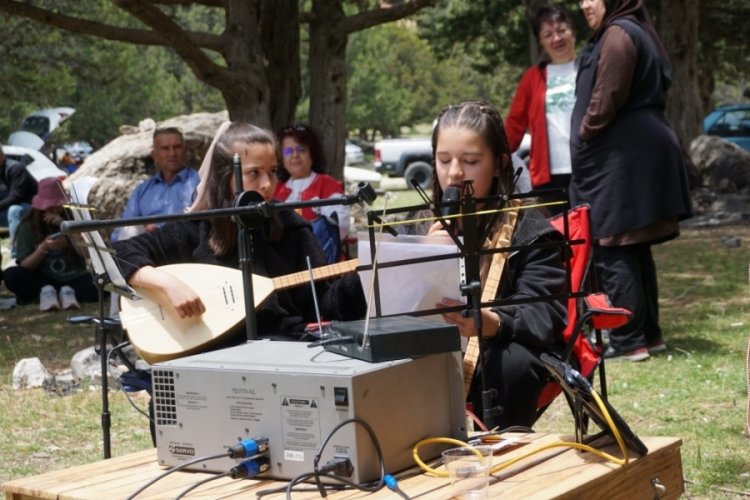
207,3
100,30
370,18
180,41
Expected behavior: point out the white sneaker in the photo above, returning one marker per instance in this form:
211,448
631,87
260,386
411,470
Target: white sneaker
68,298
48,299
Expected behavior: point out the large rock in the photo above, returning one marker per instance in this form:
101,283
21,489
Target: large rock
723,166
120,165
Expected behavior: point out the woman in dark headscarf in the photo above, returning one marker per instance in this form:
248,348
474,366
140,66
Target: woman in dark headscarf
627,163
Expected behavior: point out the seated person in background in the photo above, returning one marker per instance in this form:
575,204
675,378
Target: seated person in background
21,188
169,191
281,246
469,144
303,178
68,163
48,261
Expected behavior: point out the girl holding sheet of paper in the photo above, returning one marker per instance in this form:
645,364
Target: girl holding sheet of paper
469,144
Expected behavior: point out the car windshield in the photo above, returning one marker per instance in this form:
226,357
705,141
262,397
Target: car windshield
38,125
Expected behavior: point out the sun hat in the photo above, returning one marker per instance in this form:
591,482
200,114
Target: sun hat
50,193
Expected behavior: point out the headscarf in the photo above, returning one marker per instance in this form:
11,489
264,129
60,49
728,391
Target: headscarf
619,9
205,171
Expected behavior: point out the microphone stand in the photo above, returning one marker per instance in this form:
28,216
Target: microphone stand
471,250
472,290
245,226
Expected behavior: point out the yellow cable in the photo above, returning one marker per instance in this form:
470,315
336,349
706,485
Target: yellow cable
508,463
424,466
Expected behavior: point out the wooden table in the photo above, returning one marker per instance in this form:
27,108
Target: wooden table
553,473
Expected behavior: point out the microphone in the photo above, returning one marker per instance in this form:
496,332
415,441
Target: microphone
451,195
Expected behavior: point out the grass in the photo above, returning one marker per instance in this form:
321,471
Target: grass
696,390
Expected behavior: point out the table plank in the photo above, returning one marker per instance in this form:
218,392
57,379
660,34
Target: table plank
552,473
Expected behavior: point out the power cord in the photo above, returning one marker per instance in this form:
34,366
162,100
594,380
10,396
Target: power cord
201,483
246,470
392,485
335,465
252,448
375,443
175,469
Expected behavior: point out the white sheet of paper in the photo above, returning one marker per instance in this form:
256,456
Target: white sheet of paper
409,288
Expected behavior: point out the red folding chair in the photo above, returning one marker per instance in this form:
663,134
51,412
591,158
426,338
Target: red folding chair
585,306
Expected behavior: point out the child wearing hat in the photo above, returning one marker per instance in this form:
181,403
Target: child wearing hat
50,266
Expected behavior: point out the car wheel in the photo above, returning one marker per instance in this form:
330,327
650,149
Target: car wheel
419,172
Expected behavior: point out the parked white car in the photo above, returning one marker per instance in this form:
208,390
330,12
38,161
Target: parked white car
36,162
410,158
36,127
354,154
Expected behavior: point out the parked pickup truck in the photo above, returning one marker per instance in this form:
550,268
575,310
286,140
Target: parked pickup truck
410,158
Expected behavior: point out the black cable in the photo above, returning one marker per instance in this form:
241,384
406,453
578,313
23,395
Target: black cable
375,443
319,486
290,486
345,483
332,341
201,483
392,483
119,383
175,469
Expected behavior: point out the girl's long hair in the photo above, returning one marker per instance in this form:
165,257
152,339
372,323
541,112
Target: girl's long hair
216,192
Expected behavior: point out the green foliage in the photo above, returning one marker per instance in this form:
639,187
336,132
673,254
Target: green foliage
378,85
725,48
491,33
34,73
108,83
395,80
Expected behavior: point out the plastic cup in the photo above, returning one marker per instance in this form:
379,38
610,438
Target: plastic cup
469,471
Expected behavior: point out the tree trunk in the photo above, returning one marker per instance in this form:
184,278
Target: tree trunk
246,100
280,43
327,67
680,37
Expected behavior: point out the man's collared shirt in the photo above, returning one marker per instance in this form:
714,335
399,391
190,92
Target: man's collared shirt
154,196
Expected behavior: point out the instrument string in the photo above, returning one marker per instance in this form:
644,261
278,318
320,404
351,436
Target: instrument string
455,216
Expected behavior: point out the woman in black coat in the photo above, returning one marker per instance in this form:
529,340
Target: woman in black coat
469,144
627,163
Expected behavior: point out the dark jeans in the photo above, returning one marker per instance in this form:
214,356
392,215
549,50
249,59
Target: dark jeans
628,276
26,285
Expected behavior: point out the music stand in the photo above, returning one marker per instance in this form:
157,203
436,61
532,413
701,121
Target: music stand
107,277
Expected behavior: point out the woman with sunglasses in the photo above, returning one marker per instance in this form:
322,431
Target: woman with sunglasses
303,178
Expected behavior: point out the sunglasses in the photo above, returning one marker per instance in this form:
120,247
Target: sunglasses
293,128
290,151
